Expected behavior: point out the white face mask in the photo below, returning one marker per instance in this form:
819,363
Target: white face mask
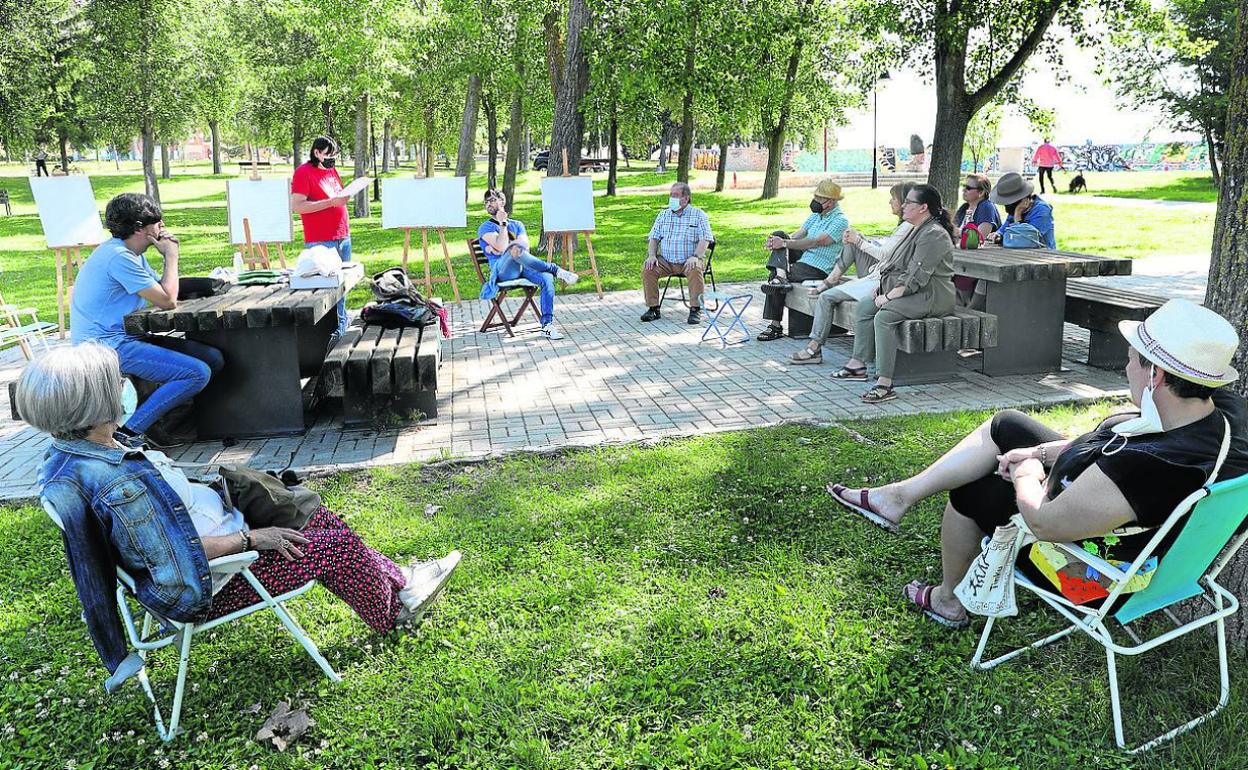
1149,420
673,204
129,402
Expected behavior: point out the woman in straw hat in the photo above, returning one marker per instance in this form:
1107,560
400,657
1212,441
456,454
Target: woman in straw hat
1124,478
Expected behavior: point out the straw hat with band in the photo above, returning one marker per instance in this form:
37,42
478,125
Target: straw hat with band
1011,188
1187,340
828,189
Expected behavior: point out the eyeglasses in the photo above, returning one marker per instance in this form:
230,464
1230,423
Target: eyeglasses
911,201
968,187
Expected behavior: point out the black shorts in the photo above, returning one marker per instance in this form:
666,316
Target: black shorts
990,501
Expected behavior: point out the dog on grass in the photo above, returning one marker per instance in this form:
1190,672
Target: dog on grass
1078,184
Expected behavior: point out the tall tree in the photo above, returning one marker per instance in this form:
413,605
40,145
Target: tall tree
975,50
568,131
148,50
465,158
982,135
1176,57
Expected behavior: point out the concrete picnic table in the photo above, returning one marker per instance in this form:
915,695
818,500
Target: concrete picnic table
1026,290
271,337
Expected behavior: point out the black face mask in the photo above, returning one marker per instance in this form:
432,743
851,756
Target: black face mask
329,162
816,206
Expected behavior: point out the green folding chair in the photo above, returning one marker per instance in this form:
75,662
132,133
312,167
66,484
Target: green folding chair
170,631
1209,519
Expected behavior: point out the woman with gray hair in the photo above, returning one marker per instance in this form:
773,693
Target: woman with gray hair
129,506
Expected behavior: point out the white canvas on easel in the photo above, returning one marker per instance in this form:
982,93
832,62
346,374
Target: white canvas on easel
568,204
431,203
265,204
67,211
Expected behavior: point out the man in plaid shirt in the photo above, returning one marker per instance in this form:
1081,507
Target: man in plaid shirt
678,243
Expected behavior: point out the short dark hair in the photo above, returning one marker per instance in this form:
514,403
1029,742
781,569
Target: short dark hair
128,213
1177,385
492,194
321,144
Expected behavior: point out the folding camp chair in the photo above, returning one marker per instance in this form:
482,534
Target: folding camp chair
1209,518
708,274
171,631
27,334
528,288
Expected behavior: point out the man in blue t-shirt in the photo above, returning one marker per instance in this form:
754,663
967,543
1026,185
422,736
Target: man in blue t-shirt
116,281
506,244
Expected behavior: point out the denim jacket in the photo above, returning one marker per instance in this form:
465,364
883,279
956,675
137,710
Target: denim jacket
116,510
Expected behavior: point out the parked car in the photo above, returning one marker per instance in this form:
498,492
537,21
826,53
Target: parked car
542,160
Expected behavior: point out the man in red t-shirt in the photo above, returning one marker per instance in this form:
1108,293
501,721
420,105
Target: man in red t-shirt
316,196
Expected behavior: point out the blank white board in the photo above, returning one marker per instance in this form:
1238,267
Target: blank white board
567,204
436,202
67,211
265,204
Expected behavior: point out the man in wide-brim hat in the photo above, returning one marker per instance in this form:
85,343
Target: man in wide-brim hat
808,254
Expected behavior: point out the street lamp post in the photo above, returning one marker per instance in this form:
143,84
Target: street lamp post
875,119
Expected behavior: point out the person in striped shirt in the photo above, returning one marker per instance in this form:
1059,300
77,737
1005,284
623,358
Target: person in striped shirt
678,242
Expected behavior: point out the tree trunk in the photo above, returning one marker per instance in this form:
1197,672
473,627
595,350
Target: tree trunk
214,129
327,110
569,125
386,149
775,137
553,37
296,143
1213,156
515,137
613,152
945,170
63,136
1227,291
723,165
491,128
165,172
429,141
464,159
149,162
686,113
360,151
116,157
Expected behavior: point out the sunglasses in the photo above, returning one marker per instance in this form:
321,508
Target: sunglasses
969,187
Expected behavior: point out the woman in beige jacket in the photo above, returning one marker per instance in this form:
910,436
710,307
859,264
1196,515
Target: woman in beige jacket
915,282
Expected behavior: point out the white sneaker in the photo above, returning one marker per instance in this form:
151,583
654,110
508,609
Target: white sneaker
551,333
567,276
425,581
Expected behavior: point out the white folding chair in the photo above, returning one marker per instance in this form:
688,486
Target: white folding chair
28,335
1209,518
171,631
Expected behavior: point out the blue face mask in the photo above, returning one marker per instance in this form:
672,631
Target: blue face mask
129,401
673,204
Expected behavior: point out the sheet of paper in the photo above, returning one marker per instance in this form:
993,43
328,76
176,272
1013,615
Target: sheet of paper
437,202
265,204
860,289
357,185
567,204
67,211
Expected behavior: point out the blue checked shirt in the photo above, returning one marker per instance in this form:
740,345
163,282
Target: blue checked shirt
678,233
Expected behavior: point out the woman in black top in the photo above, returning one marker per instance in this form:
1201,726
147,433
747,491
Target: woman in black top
1130,472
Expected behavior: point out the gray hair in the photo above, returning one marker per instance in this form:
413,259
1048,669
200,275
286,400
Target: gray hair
70,390
683,189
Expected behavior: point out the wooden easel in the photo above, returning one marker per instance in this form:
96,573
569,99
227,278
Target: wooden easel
257,254
569,244
68,260
431,279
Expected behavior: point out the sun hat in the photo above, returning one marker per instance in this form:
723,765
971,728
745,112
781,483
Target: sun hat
828,189
1011,188
1187,340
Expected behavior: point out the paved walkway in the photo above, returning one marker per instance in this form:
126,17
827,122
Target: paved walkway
615,379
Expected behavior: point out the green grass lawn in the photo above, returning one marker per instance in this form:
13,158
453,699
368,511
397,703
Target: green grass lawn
1194,186
195,208
697,604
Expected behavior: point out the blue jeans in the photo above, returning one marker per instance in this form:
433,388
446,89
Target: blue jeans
182,368
532,269
344,251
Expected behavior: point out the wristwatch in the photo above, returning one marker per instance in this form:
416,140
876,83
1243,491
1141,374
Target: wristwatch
245,536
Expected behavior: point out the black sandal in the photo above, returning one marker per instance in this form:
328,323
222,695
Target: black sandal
771,333
851,374
879,394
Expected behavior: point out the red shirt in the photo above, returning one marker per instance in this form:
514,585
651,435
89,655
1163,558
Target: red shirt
321,184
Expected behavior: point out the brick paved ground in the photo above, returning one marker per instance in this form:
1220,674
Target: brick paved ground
616,379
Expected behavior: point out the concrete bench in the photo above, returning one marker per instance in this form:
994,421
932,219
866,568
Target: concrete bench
373,370
927,347
1098,308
